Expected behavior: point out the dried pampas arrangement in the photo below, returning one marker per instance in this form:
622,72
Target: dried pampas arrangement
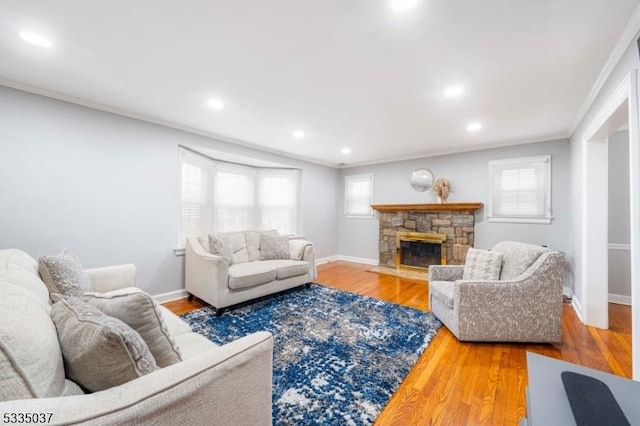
441,187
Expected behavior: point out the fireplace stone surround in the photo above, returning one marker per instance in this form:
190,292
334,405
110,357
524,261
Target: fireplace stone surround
455,220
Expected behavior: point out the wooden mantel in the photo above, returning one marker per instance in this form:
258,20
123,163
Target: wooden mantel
452,207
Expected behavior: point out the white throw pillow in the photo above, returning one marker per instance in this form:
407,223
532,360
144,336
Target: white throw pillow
482,265
139,311
64,274
274,247
99,351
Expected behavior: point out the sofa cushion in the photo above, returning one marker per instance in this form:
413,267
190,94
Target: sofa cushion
64,274
193,344
253,245
99,351
31,363
175,325
288,268
517,257
141,312
274,247
249,274
482,265
20,269
443,291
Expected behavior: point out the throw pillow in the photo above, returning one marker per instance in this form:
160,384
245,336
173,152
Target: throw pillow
141,312
64,274
482,265
221,244
274,247
99,351
216,247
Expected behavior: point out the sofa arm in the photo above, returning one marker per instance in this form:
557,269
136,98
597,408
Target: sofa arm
206,275
303,250
231,385
445,272
112,277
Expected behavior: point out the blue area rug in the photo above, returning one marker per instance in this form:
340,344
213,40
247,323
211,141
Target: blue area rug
338,356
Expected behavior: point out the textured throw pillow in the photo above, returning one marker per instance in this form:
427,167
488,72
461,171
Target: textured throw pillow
482,265
141,312
99,351
216,247
274,247
64,274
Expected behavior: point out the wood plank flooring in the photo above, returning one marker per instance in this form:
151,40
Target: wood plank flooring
456,383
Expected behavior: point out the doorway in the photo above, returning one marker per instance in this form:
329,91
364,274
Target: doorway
621,108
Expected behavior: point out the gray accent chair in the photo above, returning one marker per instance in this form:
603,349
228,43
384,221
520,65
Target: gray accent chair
524,305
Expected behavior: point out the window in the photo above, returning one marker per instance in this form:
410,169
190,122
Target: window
220,197
520,190
358,196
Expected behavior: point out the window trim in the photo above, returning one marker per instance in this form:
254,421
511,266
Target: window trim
548,217
361,176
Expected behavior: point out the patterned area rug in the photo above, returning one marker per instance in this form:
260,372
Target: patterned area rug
338,356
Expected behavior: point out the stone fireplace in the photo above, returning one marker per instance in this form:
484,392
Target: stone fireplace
407,231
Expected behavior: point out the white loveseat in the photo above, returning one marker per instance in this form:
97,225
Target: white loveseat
230,384
240,275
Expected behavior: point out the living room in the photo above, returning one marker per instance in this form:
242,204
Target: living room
91,143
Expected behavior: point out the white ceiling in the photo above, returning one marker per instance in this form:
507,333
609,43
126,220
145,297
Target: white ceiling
349,73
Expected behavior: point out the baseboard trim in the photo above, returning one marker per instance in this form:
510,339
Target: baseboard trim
323,260
577,307
170,296
354,259
620,299
566,291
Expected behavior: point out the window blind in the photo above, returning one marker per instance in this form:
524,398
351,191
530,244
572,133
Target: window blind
520,189
358,195
222,197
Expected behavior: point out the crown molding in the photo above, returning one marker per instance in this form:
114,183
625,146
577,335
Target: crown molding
141,117
629,35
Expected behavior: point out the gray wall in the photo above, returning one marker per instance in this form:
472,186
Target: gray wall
619,215
106,187
469,176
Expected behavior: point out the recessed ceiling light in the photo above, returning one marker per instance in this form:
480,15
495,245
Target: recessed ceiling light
403,4
474,127
345,151
298,134
216,103
35,39
453,91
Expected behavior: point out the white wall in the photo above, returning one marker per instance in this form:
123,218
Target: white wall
469,177
106,187
619,229
628,62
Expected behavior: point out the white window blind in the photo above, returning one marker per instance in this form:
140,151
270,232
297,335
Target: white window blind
278,195
520,190
222,197
234,198
358,195
197,195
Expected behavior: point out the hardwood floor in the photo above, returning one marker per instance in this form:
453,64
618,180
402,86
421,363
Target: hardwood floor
456,383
